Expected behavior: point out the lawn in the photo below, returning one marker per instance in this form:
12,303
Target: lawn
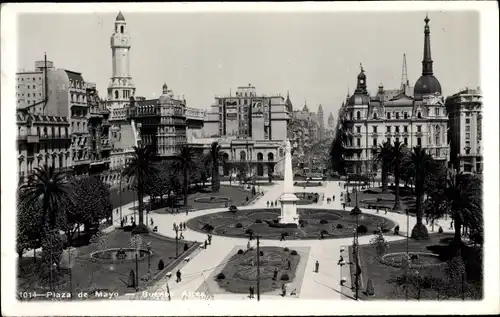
379,273
334,224
241,271
374,197
237,196
89,275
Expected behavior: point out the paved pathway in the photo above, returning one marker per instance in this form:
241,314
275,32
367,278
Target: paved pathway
322,285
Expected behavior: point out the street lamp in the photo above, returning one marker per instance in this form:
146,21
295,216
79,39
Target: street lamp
356,211
176,242
148,246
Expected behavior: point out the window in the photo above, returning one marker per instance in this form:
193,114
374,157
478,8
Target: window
397,139
375,129
405,128
116,94
358,129
388,115
29,95
437,112
467,120
405,141
374,141
419,128
375,115
467,136
419,115
388,140
358,142
437,140
388,129
467,128
419,141
358,115
397,129
245,102
397,115
121,29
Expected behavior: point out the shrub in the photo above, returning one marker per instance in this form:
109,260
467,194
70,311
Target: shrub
282,225
161,265
261,253
293,252
340,226
324,232
240,251
239,225
249,231
221,276
440,230
207,227
362,229
233,208
285,277
323,221
186,246
258,220
370,291
286,249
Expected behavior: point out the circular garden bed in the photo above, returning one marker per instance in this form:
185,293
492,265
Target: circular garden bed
417,259
264,222
308,184
212,199
117,255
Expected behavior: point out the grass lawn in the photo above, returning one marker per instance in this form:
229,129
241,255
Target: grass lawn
336,223
236,195
379,273
110,277
376,198
241,271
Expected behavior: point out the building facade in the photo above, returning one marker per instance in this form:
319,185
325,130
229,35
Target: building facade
465,123
42,140
418,120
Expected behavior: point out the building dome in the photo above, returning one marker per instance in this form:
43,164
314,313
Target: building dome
120,17
165,97
426,85
358,100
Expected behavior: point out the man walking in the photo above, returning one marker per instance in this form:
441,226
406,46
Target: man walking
178,276
252,291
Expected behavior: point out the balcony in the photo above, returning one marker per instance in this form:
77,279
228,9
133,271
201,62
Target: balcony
54,137
30,138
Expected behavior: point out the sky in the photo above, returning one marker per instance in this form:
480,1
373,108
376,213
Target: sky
314,56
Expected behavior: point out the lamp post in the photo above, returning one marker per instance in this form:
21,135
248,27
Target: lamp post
341,264
148,246
120,193
356,211
176,242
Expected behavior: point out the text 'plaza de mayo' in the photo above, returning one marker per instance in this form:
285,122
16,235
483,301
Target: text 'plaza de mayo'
63,122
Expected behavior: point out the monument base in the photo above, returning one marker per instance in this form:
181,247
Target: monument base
289,209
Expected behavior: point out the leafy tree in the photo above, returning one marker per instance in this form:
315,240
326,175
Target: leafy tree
185,160
213,159
160,180
435,205
464,196
29,222
422,165
383,154
398,152
139,169
380,244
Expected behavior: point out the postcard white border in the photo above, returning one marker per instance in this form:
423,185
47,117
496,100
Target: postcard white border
489,84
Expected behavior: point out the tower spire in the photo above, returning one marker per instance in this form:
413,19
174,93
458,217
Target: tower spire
405,83
427,61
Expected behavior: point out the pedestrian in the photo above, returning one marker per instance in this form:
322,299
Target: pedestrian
377,210
283,290
251,290
248,245
210,239
316,266
385,211
322,236
187,211
175,226
333,197
182,237
117,211
343,206
152,222
178,276
288,264
275,274
427,220
272,204
451,224
206,244
184,224
276,203
268,204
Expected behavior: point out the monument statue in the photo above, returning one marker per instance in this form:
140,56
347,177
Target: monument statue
288,199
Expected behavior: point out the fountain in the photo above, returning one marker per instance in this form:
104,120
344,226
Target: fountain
288,199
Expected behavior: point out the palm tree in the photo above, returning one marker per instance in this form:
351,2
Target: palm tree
213,159
383,154
398,152
464,194
50,188
422,165
185,160
138,169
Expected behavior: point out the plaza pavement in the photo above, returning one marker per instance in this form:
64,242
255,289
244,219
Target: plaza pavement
322,285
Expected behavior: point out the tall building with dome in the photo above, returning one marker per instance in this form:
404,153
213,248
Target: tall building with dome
418,120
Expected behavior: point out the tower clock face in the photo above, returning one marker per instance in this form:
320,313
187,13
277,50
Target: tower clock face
361,81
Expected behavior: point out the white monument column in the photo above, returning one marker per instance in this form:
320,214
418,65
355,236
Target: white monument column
288,200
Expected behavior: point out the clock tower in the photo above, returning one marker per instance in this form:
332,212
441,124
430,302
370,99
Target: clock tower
121,87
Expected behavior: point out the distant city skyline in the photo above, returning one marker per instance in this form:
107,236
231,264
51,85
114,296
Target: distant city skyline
315,56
